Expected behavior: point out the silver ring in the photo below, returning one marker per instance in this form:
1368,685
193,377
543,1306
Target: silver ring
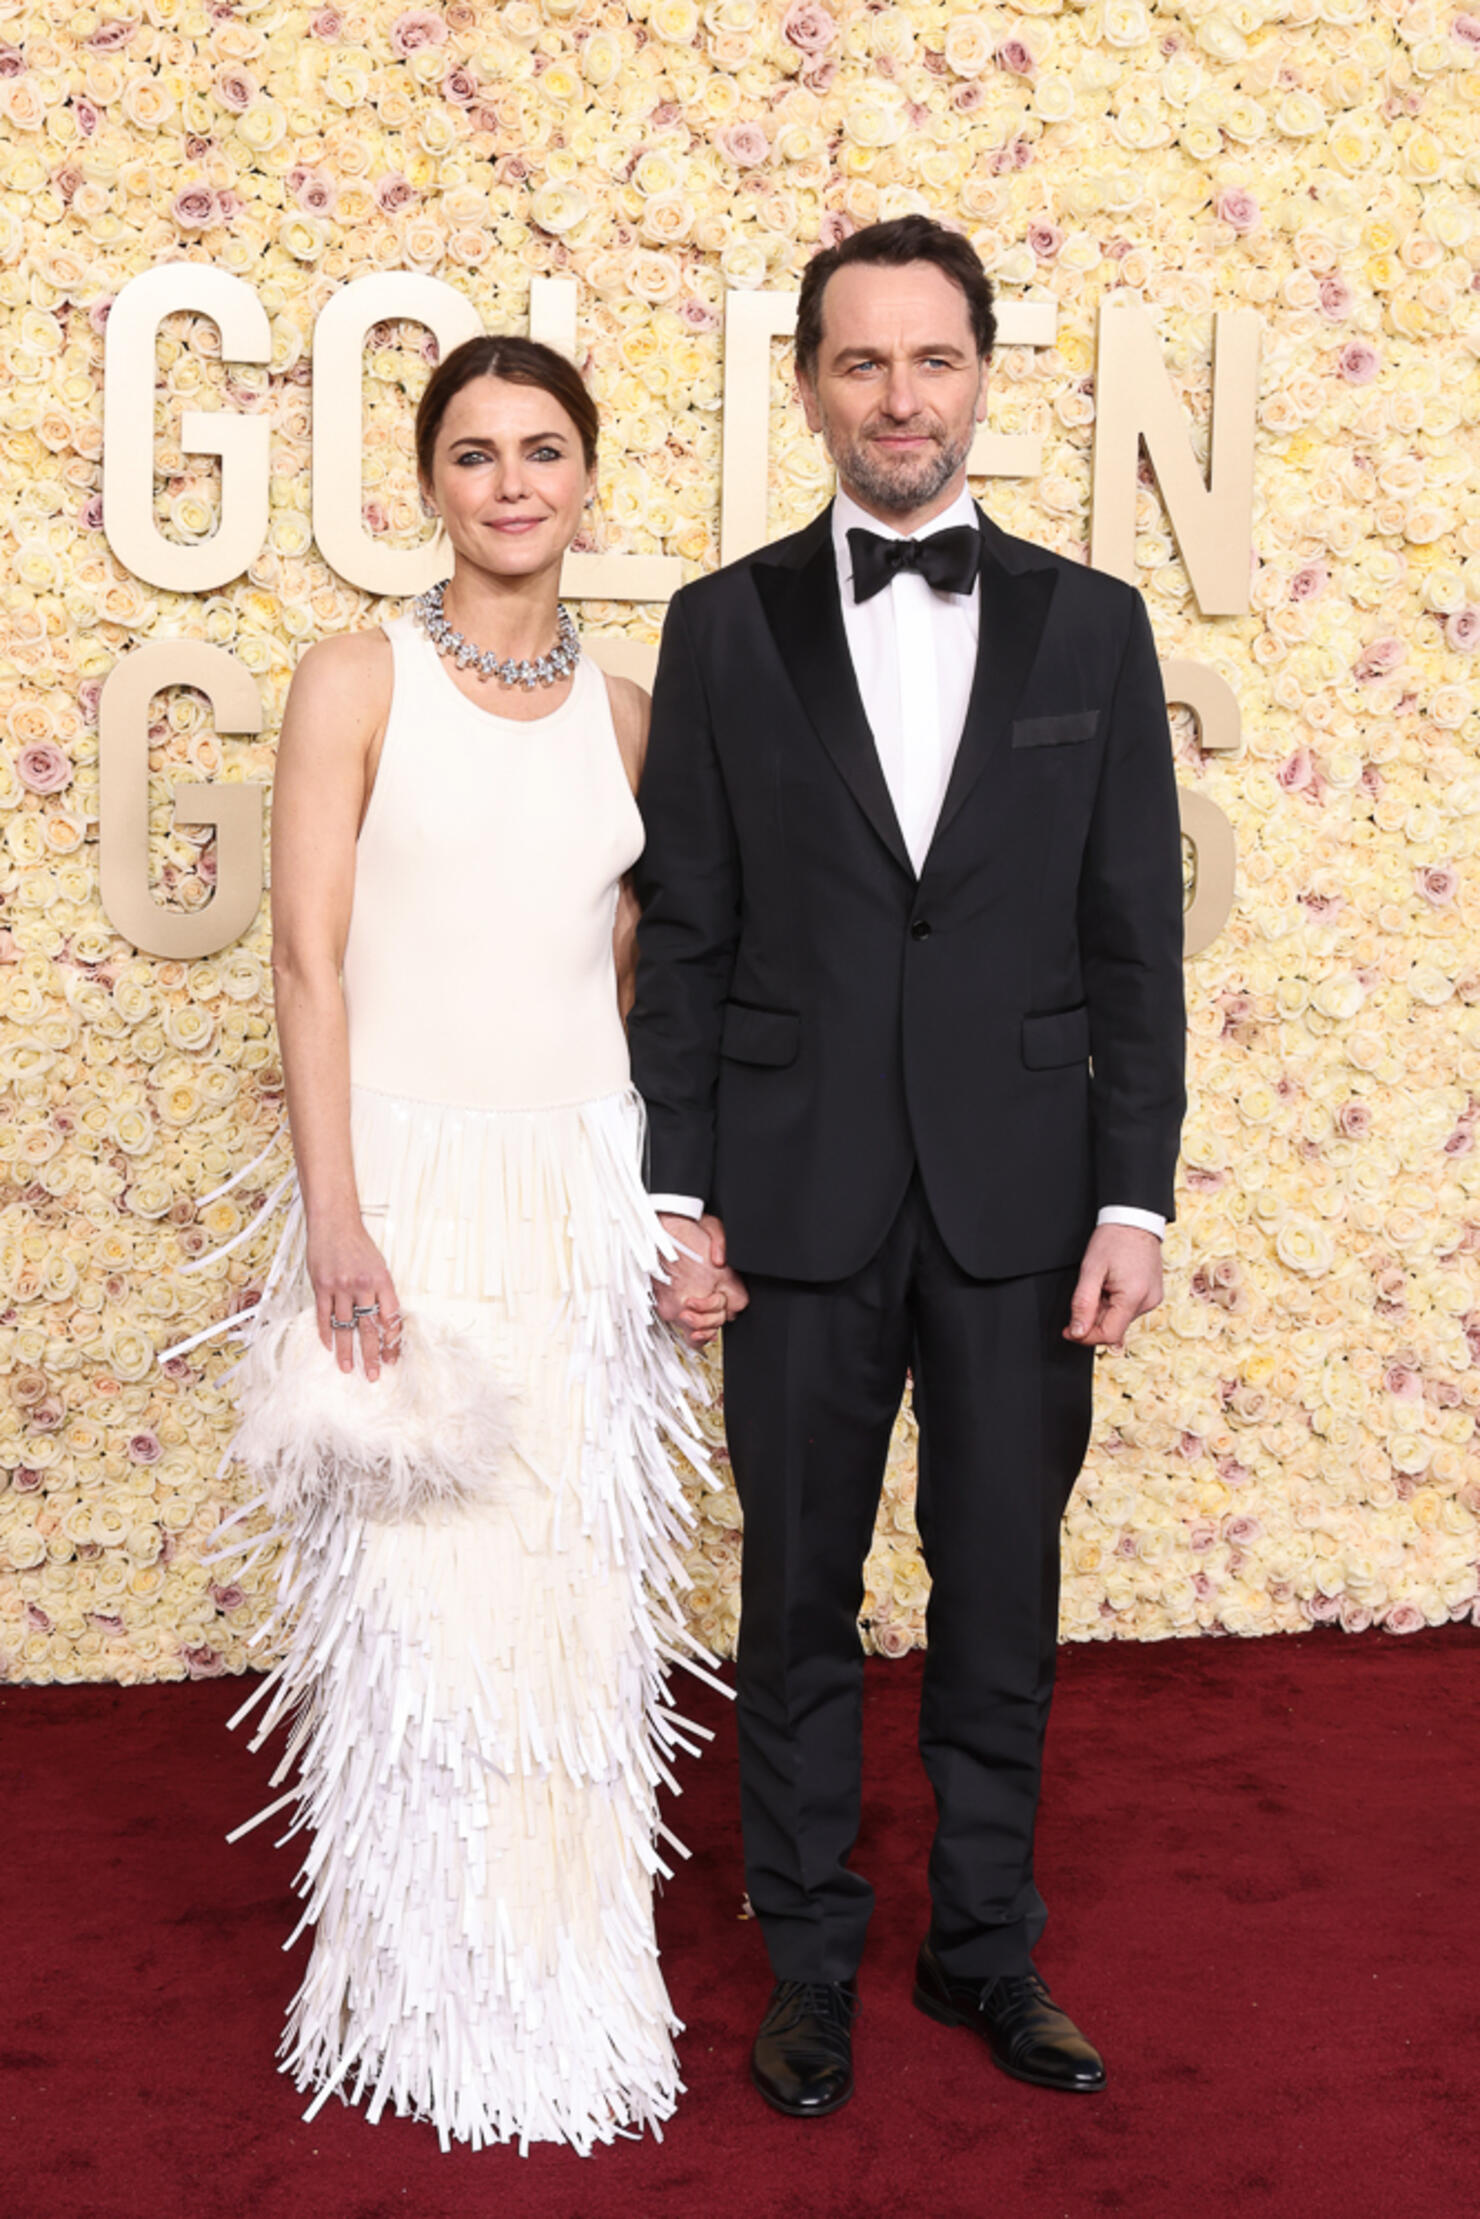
365,1310
340,1325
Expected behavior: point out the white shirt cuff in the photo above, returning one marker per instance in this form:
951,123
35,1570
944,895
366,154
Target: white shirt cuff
677,1205
1146,1220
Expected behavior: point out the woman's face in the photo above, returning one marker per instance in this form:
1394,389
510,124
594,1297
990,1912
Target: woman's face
509,478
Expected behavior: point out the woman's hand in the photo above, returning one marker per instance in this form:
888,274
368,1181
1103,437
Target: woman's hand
351,1284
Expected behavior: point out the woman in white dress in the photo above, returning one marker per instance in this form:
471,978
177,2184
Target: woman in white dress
456,1393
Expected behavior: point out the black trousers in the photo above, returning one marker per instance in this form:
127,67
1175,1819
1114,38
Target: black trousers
813,1380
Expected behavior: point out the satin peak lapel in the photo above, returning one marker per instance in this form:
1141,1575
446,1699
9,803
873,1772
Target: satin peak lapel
805,614
1014,611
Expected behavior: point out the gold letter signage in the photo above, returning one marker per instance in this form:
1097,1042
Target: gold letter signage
235,810
1135,403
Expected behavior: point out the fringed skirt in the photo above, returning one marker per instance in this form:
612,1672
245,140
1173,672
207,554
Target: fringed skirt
478,1618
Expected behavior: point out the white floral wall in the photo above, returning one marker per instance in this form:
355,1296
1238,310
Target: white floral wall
1293,1440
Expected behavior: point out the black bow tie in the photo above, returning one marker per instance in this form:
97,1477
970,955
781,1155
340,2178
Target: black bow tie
946,560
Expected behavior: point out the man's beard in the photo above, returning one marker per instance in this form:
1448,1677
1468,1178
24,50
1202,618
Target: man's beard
910,481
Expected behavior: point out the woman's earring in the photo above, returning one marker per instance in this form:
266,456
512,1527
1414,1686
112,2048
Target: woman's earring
430,511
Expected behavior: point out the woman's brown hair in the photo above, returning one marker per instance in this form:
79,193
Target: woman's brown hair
517,362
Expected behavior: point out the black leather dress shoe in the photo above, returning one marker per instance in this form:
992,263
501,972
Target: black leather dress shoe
1026,2032
802,2061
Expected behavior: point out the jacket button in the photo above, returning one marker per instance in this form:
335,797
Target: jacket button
920,929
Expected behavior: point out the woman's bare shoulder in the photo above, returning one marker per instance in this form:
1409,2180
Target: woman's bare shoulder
350,672
347,658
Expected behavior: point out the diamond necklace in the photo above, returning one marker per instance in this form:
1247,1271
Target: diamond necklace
547,671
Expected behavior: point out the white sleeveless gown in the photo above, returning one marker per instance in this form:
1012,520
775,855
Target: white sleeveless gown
479,1690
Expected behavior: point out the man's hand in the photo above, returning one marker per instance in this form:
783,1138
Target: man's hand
700,1292
1119,1281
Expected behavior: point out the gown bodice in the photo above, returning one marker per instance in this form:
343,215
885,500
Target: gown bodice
478,968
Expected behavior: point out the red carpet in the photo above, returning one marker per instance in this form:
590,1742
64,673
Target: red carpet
1260,1860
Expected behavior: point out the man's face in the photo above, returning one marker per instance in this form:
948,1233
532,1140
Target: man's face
898,387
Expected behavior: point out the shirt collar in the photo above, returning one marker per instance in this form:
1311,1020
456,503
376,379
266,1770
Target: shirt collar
848,516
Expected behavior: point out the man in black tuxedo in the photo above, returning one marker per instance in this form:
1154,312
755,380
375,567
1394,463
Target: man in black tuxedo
909,1027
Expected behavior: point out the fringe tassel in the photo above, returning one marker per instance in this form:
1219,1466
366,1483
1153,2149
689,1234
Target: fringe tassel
476,1686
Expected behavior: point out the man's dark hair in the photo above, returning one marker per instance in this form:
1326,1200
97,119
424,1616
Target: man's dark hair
890,246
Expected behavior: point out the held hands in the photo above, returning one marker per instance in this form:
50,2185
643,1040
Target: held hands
700,1292
1119,1281
354,1297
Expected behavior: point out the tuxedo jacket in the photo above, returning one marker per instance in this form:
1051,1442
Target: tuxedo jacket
813,1020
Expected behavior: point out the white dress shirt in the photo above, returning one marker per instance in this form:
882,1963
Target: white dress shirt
914,656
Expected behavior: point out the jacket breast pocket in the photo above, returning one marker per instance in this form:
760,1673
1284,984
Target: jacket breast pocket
1062,731
1057,1037
767,1036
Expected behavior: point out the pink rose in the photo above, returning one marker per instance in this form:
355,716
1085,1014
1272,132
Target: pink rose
394,193
90,515
1237,207
25,1479
236,90
1358,362
12,61
327,24
111,38
1461,1141
88,115
1044,240
835,227
417,28
808,27
1337,298
460,86
1016,56
1354,1120
818,74
1298,771
1466,28
1462,631
1239,1532
1401,1380
37,1619
44,767
145,1448
967,98
1379,660
1403,1618
697,314
228,1598
1311,579
203,1662
89,694
313,192
745,144
1438,884
194,208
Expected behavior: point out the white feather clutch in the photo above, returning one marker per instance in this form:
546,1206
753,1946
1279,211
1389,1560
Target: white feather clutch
431,1432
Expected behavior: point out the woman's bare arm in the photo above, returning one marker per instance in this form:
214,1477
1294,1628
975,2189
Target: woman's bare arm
327,754
631,710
